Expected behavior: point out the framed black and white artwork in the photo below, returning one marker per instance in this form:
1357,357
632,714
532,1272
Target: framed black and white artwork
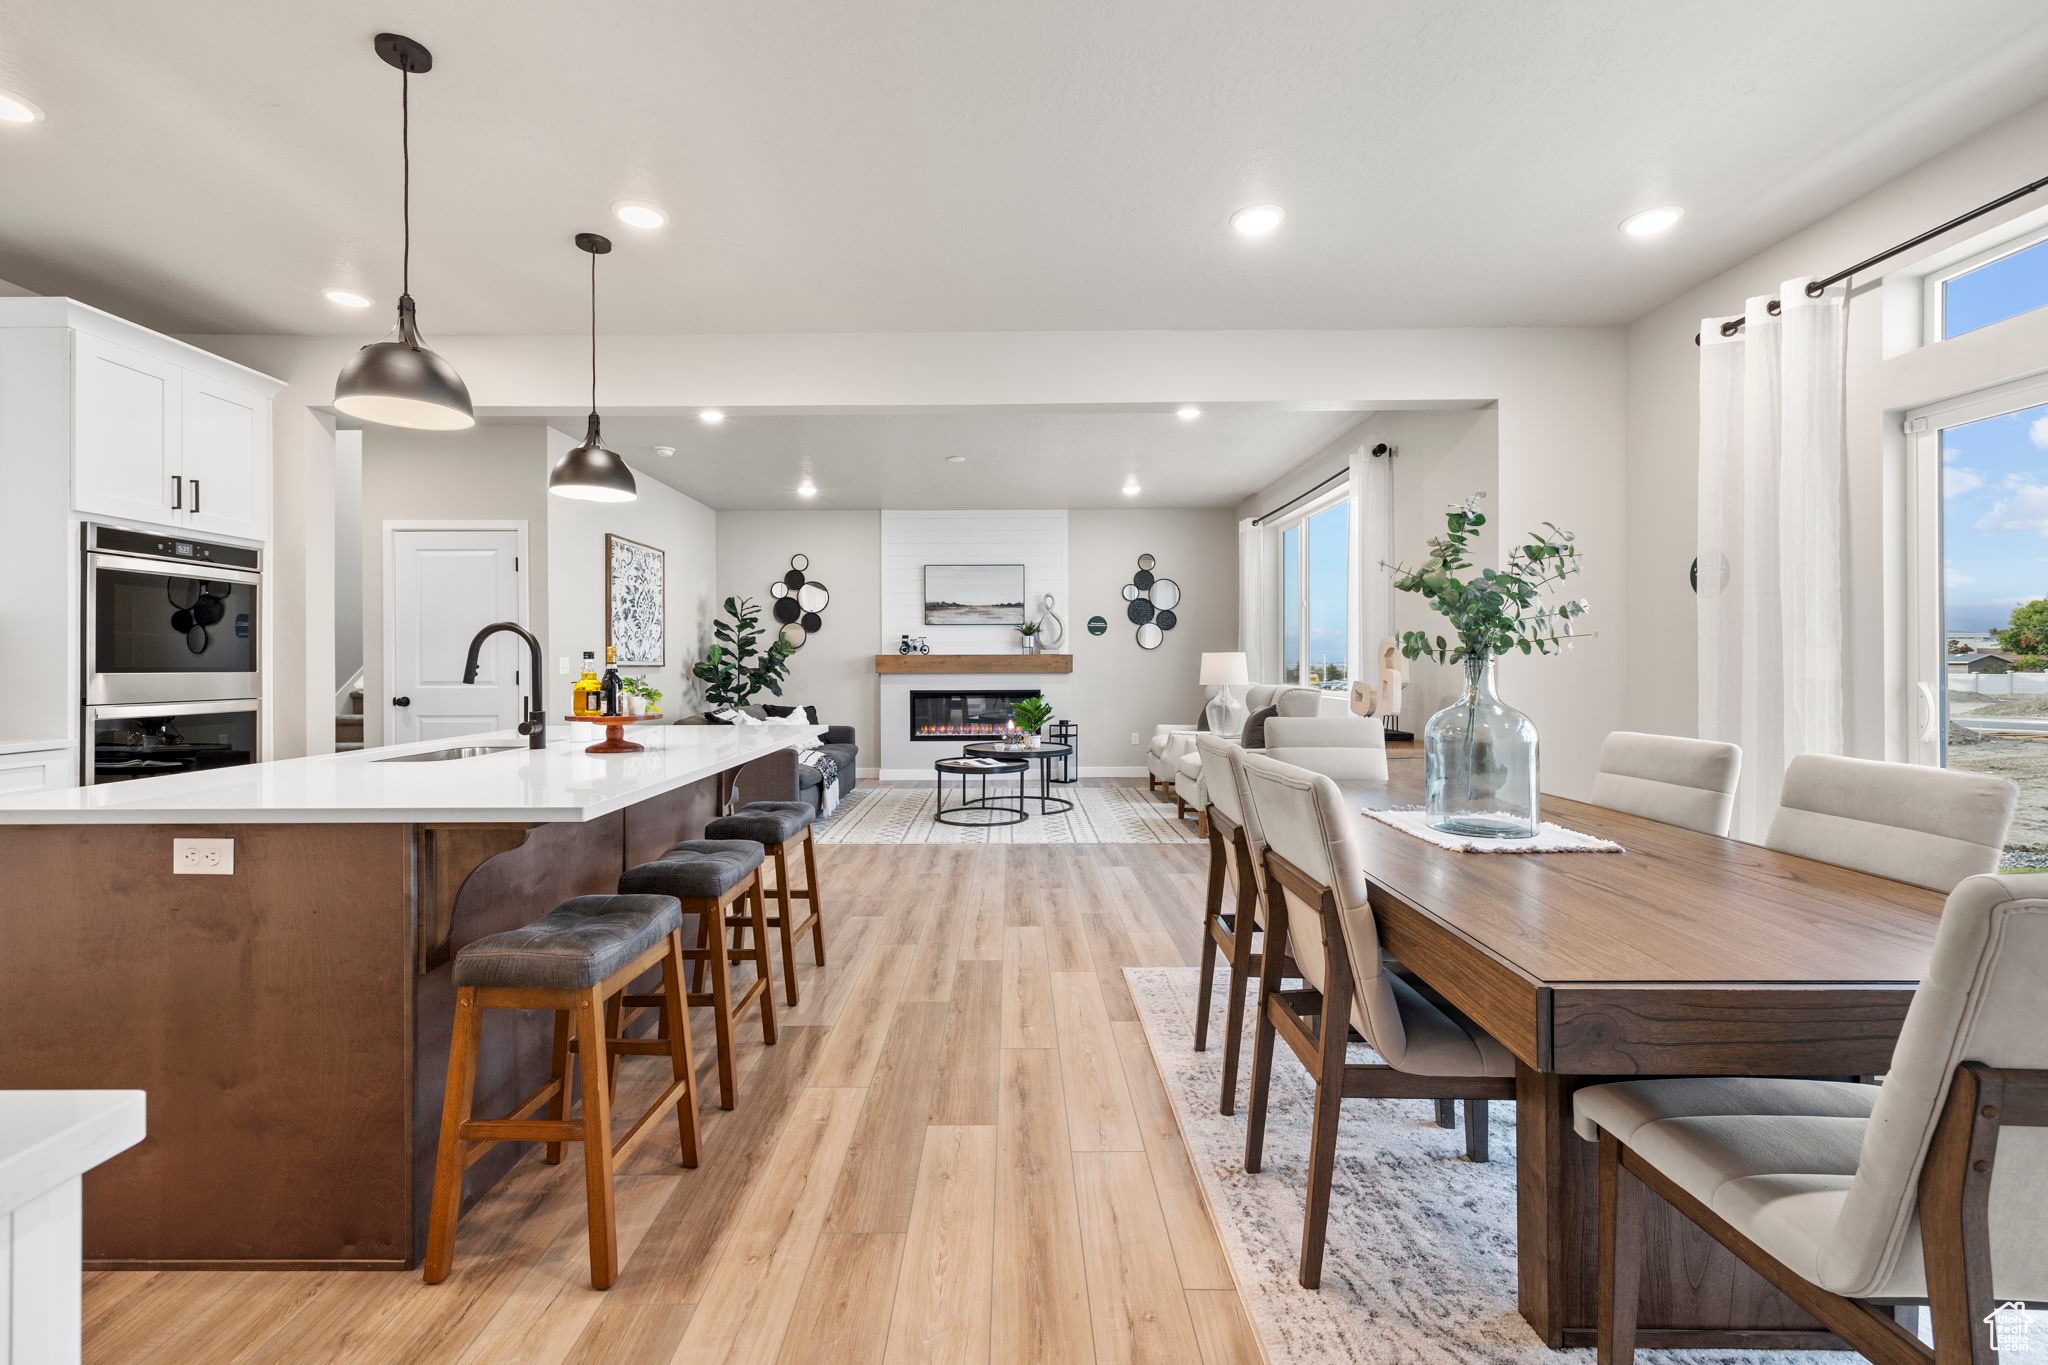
974,594
637,603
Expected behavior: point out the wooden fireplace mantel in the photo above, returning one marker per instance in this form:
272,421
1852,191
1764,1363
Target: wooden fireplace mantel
974,663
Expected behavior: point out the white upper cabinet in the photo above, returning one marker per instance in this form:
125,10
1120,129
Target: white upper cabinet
226,464
125,431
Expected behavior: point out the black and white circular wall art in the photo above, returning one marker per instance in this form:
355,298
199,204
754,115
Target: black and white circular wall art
1151,603
800,603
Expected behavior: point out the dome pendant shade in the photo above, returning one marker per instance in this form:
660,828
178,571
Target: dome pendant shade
403,384
592,472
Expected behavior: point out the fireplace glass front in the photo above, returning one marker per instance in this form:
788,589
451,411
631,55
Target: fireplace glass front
962,715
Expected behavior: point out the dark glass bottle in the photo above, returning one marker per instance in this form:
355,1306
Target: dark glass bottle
608,686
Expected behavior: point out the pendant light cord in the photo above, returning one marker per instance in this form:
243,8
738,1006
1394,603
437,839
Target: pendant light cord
405,194
593,334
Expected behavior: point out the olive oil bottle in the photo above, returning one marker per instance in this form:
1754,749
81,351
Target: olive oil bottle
585,696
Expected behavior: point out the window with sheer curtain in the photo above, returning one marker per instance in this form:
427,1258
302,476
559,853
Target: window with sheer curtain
1315,595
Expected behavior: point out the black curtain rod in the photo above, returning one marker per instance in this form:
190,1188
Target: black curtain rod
1297,500
1816,288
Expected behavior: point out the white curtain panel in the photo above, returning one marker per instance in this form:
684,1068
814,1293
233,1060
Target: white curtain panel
1772,596
1372,546
1257,601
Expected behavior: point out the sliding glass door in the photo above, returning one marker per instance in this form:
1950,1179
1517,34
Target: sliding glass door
1978,614
1315,596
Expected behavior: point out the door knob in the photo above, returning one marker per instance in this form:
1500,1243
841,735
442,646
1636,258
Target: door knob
401,701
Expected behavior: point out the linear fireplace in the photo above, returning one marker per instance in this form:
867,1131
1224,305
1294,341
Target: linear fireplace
962,715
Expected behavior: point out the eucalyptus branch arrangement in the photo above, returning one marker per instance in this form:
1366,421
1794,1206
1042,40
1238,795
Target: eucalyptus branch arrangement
1496,610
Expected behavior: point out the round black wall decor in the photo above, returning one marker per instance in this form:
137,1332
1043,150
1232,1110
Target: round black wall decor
1097,626
1152,601
800,601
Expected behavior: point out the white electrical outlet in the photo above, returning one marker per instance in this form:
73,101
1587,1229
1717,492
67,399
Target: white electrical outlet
1134,736
203,857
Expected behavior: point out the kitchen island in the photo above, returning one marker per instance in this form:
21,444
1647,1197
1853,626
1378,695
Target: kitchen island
289,1018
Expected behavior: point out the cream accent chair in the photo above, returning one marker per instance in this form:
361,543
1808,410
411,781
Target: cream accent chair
1685,782
1318,915
1177,767
1842,1194
1927,826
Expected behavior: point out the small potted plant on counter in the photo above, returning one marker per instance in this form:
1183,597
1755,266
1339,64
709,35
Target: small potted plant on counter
642,697
1029,631
1030,716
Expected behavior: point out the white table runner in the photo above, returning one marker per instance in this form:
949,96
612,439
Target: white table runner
1549,838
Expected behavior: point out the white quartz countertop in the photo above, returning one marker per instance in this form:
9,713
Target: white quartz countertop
50,1136
519,785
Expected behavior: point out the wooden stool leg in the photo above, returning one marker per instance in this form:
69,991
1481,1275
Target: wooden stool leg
614,1017
757,906
597,1139
817,907
675,1012
697,965
713,941
785,921
448,1164
558,1068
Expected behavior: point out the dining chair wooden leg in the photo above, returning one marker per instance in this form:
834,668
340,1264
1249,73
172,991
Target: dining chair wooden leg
1476,1117
1206,987
1620,1257
1262,1027
1241,977
597,1139
558,1070
757,911
817,906
1332,1035
675,1012
1447,1113
448,1163
785,922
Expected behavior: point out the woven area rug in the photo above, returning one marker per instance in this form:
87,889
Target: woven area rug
1104,813
1421,1262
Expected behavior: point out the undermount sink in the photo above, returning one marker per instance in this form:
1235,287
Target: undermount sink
443,755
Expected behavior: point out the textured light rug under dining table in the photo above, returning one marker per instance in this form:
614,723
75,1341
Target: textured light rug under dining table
1420,1268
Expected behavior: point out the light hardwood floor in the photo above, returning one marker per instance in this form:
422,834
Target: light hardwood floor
960,1151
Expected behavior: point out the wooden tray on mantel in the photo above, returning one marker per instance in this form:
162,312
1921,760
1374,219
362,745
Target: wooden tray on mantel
974,663
615,741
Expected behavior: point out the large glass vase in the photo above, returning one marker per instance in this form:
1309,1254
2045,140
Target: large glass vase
1479,763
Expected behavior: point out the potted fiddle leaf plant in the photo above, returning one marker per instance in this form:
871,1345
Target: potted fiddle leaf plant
1030,716
1479,754
737,665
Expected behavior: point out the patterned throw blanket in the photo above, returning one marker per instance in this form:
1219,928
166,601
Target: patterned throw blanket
828,778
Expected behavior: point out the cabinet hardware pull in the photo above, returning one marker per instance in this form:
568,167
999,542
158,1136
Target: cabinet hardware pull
195,497
177,492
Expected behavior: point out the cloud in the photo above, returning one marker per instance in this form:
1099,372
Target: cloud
1956,580
2025,508
2038,432
1956,479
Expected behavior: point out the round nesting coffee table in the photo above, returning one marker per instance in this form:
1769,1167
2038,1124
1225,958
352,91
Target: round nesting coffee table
999,809
1048,804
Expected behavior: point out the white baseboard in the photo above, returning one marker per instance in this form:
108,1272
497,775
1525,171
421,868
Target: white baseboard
925,774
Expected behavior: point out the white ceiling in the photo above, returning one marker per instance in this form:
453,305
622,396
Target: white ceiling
1015,458
965,164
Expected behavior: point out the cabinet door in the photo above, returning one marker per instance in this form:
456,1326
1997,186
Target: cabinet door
125,432
38,770
226,459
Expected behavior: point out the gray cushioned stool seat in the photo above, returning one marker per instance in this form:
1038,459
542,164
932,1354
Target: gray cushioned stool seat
573,947
765,822
696,869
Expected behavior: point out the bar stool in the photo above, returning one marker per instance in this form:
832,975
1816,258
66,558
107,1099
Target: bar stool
707,876
776,826
574,961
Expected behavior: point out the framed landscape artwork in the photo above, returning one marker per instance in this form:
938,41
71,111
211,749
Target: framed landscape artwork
636,600
974,594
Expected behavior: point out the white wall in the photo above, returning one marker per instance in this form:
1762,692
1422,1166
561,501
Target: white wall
1661,655
348,554
1120,690
835,670
1036,539
492,472
1560,395
684,529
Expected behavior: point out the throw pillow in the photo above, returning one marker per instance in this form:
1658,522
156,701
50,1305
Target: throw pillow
1255,727
810,712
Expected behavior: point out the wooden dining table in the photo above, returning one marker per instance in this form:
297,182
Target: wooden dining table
1682,955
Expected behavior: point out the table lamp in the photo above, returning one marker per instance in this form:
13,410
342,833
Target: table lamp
1225,713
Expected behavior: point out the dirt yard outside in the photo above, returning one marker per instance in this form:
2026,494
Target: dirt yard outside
2023,758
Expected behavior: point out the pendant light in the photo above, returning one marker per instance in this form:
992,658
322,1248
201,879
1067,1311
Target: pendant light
401,383
591,471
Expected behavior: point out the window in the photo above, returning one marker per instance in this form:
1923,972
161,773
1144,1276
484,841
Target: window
1315,596
2004,282
1980,602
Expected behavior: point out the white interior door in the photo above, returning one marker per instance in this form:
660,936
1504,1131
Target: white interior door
445,585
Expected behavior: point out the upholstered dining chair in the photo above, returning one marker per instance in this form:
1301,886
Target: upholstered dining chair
1348,748
1684,782
1318,916
1850,1197
1230,916
1928,826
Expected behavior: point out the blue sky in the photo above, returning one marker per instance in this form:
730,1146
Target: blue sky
1995,522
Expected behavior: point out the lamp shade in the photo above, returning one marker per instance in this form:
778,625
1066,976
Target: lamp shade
593,472
403,384
1225,670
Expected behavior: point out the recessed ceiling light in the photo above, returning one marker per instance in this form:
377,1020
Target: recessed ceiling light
665,451
639,213
1256,220
711,417
1652,222
19,108
1131,489
1188,413
956,459
347,298
807,489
